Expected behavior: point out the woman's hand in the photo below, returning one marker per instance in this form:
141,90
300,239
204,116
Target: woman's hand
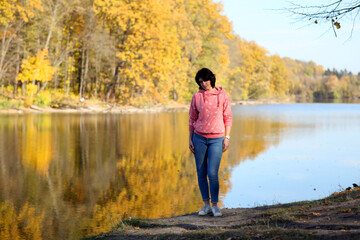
191,146
226,144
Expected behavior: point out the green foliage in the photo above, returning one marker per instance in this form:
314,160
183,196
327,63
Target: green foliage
8,104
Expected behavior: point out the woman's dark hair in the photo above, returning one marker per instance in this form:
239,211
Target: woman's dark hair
206,75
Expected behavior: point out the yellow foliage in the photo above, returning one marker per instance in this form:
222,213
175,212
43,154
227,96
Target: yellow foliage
11,9
37,68
279,82
31,224
31,89
161,42
28,101
332,82
18,226
151,51
8,222
255,69
44,98
37,148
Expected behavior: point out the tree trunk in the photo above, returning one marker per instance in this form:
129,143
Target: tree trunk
111,86
67,77
17,70
81,80
57,54
97,70
52,25
85,79
4,49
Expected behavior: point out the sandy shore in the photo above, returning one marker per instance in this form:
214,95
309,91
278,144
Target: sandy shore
106,108
97,109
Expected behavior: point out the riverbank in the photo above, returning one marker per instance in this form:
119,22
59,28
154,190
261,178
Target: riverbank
96,108
334,217
107,108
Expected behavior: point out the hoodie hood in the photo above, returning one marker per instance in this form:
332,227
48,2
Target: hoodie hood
204,94
217,91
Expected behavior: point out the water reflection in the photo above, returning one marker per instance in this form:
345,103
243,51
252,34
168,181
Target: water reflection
66,176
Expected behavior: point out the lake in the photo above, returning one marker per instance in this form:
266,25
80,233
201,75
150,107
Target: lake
68,176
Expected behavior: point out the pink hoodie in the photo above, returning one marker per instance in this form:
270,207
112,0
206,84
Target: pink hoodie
210,112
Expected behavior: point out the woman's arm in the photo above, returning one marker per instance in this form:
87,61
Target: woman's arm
226,140
193,116
227,122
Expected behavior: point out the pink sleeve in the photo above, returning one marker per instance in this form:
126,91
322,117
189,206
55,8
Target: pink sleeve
193,114
227,111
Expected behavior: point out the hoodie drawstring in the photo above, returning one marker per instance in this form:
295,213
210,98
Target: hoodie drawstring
203,96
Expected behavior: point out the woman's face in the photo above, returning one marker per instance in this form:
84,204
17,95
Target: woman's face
206,85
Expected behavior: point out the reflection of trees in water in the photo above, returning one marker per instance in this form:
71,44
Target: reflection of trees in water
22,225
251,136
83,173
156,175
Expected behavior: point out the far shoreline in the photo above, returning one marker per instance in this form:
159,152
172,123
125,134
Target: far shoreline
108,108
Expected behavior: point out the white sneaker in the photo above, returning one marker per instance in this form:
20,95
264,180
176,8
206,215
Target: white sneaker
216,211
205,210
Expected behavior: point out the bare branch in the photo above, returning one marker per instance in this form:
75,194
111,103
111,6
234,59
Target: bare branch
332,12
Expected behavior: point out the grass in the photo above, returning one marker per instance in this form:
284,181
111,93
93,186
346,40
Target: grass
8,104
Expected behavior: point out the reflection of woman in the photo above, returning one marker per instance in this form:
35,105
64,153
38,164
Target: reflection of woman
210,117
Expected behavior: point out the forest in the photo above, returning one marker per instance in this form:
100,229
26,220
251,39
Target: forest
142,52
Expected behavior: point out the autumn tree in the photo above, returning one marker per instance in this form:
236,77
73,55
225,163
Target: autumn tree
255,70
213,29
14,14
146,44
36,69
279,81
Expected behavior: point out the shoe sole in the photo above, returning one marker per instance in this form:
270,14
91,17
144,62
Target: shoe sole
204,214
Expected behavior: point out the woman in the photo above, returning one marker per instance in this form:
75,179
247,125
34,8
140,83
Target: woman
209,118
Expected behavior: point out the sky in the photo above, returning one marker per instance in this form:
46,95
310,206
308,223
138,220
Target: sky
283,34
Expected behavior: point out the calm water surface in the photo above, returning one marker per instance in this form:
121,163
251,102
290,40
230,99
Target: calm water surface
68,176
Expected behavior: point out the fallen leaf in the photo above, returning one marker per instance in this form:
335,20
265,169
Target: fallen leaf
136,228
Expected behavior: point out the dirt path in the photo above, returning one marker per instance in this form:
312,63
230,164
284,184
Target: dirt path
335,217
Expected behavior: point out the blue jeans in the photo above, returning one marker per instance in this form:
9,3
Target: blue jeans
208,153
